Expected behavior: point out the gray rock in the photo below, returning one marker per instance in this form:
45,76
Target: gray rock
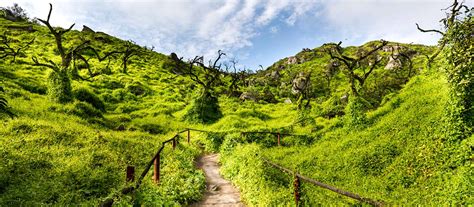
246,96
288,101
275,75
292,60
393,63
344,98
299,84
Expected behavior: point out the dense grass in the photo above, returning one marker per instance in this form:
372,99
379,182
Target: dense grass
77,152
400,158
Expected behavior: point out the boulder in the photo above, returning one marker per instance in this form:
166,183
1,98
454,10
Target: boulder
299,83
275,75
344,98
288,101
393,63
292,60
246,96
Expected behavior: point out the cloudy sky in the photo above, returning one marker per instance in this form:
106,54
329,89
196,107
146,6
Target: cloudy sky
253,31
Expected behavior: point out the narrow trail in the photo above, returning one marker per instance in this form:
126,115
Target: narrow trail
219,192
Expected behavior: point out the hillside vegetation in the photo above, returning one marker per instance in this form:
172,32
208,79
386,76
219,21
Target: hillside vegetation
387,128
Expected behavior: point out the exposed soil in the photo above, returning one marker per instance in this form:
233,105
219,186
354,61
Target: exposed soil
219,192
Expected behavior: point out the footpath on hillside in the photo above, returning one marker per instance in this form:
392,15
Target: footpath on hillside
219,192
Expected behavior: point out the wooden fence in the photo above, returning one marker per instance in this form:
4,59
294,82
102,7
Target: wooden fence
155,162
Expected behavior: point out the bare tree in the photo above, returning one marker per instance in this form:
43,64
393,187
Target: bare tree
354,64
60,83
454,11
130,51
7,49
105,56
237,77
403,55
207,76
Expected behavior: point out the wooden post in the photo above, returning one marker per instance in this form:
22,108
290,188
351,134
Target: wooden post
130,174
174,143
278,135
296,186
156,170
189,135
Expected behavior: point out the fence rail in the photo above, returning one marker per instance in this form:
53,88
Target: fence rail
155,161
320,184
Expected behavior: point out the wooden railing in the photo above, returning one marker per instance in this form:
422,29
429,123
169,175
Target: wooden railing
155,161
296,184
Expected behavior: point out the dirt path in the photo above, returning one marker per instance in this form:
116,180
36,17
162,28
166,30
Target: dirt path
219,192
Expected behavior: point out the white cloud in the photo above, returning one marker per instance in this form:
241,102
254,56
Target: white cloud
183,26
361,21
201,27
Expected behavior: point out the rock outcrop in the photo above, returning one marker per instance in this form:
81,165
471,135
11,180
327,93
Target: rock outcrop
299,83
87,29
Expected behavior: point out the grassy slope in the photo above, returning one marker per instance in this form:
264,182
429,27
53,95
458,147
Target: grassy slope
400,158
50,155
83,158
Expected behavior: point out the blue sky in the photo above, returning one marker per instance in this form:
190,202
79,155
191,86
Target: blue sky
252,31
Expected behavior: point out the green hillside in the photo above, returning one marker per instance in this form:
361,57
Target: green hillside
392,142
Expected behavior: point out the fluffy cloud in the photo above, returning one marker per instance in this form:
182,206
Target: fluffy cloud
357,22
187,27
202,27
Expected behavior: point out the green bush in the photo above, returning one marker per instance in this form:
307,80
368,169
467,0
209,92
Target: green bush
137,89
204,109
355,112
59,87
84,110
83,94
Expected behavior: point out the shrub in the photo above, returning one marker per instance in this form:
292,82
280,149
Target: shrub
151,128
85,110
126,108
59,87
355,115
137,89
83,94
108,98
204,109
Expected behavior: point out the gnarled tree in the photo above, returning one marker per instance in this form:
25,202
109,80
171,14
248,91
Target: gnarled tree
457,43
205,107
9,50
128,52
354,67
237,78
59,82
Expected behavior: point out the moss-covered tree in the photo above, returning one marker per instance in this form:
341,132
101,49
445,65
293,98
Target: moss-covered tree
459,39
